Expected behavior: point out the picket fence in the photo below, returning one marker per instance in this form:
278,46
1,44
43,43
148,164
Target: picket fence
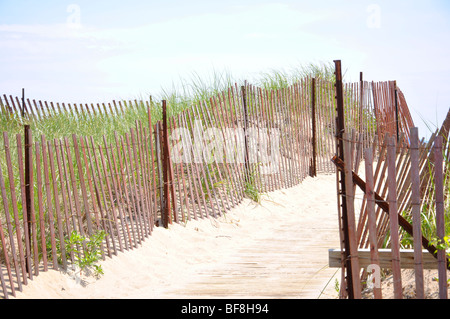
51,189
406,186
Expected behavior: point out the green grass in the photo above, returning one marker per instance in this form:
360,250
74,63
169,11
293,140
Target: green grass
428,208
276,79
179,97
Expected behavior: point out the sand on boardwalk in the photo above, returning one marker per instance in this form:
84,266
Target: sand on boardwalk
169,258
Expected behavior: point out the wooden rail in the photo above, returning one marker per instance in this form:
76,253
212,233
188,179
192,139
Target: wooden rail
409,183
407,259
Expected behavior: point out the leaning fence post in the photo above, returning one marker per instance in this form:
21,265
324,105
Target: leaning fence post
350,198
341,182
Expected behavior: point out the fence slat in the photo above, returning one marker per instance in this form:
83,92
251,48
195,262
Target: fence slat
87,213
135,198
115,197
112,187
127,201
393,219
177,162
62,244
62,176
28,253
371,218
83,145
49,202
73,180
415,211
97,177
30,201
41,205
440,222
152,160
219,120
198,164
12,189
112,211
2,281
349,196
66,189
231,122
115,176
187,146
206,172
146,143
3,241
225,202
10,232
143,155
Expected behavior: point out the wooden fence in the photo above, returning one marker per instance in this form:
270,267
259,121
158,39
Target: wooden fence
196,164
403,206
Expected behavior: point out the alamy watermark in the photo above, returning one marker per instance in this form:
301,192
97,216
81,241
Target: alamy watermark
73,20
229,145
374,276
374,19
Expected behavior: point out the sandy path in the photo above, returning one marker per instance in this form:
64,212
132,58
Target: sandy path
278,249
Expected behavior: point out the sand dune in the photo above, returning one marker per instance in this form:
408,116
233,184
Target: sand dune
171,261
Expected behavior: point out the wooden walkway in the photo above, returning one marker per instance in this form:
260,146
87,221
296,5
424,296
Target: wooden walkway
290,261
278,250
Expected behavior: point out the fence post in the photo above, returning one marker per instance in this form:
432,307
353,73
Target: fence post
313,170
29,194
340,128
246,154
28,174
157,132
351,221
165,212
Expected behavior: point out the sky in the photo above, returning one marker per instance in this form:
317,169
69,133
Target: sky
96,51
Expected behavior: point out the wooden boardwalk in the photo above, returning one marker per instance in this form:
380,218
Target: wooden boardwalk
275,250
290,261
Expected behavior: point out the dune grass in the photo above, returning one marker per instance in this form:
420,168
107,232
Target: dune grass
182,95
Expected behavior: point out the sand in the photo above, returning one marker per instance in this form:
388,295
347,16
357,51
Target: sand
172,260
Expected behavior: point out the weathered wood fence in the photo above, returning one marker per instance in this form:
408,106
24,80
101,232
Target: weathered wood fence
404,206
196,164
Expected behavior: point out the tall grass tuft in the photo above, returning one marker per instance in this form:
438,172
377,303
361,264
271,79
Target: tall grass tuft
276,79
